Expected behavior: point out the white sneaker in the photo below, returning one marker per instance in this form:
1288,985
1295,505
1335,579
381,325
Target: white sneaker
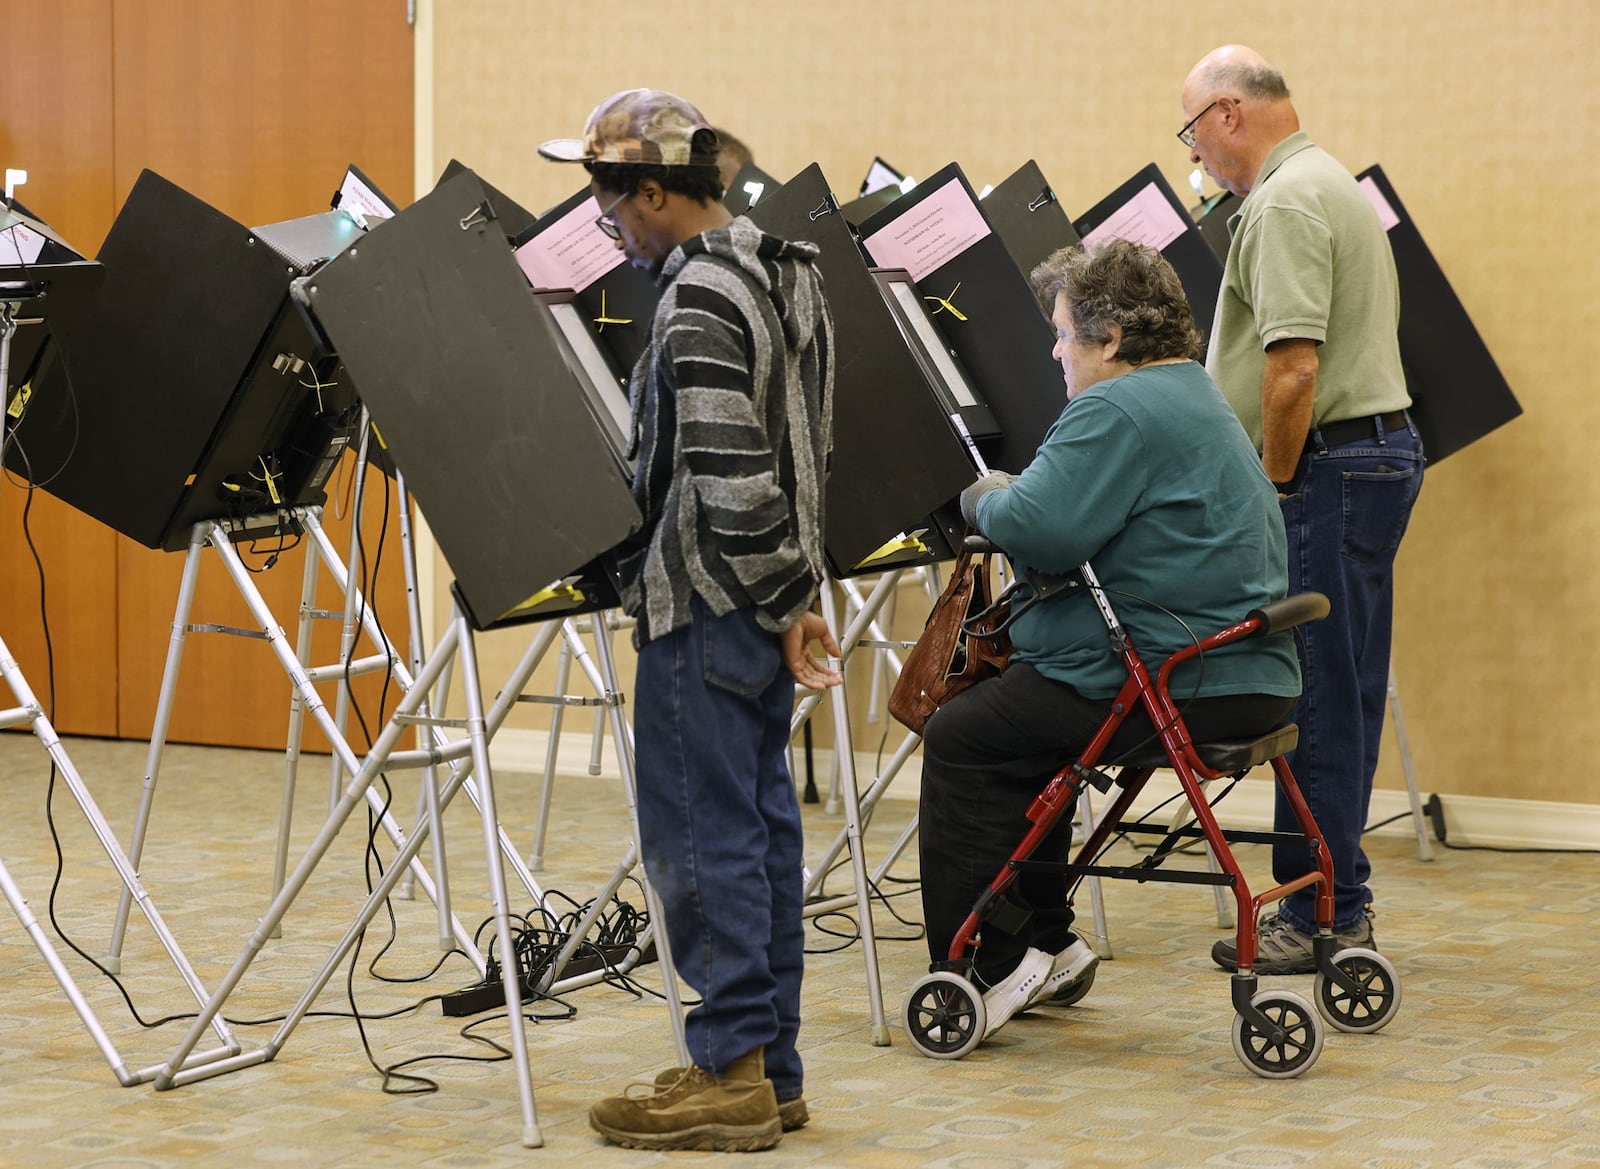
1016,990
1066,968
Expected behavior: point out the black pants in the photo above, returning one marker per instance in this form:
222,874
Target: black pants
985,756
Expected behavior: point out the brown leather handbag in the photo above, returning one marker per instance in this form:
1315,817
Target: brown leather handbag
963,642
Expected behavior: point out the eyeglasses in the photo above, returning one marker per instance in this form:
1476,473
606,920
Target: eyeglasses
1187,134
608,225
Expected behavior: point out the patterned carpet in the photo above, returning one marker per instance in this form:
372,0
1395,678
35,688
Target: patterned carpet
1492,1063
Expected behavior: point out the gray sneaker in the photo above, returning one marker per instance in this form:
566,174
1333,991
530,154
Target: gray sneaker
1282,949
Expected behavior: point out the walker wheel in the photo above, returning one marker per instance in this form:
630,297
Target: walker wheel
944,1015
1366,1010
1279,1058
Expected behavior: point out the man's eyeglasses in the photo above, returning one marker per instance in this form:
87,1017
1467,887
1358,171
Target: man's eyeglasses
608,225
1187,134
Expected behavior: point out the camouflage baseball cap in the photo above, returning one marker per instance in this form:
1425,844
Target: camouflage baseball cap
637,126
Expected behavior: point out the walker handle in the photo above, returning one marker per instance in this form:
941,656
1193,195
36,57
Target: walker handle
1288,613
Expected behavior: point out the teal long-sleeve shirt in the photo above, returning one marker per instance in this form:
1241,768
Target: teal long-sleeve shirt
1149,477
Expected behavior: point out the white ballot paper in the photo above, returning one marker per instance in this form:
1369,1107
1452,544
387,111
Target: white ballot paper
19,244
570,253
1386,215
355,195
939,228
1147,219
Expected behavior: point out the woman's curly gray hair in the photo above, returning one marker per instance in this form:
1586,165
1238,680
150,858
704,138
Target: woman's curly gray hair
1126,284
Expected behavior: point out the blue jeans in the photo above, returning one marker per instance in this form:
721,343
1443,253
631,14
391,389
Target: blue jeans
720,829
1345,514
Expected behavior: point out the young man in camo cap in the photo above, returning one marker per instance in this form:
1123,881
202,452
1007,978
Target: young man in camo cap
732,430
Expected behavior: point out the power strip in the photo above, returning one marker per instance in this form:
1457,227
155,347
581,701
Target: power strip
1435,812
491,995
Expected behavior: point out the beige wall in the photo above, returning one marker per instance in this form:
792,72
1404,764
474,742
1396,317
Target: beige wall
1484,115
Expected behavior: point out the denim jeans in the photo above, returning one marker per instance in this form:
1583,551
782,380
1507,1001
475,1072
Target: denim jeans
1345,514
720,829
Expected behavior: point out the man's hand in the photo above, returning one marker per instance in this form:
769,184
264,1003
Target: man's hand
807,670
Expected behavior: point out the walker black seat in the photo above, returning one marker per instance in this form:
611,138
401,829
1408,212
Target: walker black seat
1223,755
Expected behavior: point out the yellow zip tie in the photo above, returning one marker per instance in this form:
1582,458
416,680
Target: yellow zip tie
318,385
946,302
601,321
272,482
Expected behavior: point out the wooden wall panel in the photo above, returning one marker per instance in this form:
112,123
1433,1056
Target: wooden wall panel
1482,116
255,106
56,123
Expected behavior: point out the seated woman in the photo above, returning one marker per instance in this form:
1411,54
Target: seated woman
1149,476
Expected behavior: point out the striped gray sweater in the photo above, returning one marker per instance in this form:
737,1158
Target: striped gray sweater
732,430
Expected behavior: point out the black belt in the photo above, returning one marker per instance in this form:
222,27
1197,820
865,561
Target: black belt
1356,429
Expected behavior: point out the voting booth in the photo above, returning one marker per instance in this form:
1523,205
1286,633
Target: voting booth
895,460
199,390
1028,218
1458,393
1146,210
493,427
977,318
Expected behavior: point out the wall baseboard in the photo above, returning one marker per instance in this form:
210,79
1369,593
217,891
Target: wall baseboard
1483,820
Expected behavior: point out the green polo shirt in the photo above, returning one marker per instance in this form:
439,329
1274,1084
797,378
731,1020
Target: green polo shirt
1309,259
1149,477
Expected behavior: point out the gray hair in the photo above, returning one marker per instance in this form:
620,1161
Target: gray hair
1125,284
1247,80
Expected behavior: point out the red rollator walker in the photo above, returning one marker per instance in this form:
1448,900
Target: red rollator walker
1276,1033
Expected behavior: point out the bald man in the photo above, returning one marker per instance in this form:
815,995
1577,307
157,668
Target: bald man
1304,347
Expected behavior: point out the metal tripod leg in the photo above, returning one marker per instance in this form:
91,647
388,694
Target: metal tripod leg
844,753
297,714
362,777
353,603
1101,942
1419,819
302,682
429,793
32,714
383,754
355,618
510,975
1219,892
370,626
158,738
551,752
867,804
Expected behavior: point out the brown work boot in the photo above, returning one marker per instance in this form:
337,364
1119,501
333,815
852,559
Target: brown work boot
792,1112
735,1112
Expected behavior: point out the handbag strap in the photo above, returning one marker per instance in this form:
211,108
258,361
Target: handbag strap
1016,599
